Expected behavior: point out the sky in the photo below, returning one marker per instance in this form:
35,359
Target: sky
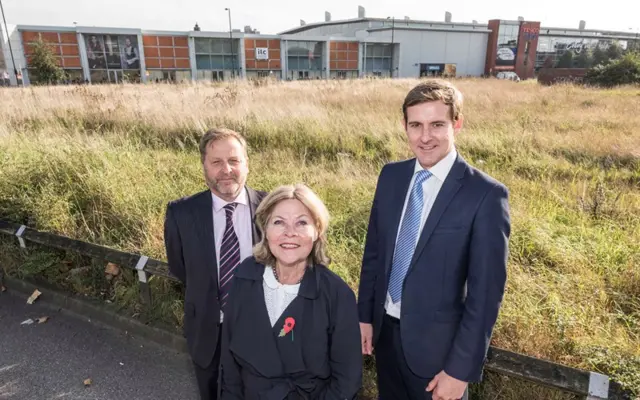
270,17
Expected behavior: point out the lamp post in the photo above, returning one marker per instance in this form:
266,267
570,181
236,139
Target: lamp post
233,66
393,25
13,61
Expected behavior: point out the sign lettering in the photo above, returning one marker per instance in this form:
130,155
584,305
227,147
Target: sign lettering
262,53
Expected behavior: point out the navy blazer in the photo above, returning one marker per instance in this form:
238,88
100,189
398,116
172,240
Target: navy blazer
319,359
191,254
456,279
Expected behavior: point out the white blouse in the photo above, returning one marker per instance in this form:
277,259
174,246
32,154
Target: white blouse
277,296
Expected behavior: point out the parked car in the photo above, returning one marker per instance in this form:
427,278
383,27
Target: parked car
509,75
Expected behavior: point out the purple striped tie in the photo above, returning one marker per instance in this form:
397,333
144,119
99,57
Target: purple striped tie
229,255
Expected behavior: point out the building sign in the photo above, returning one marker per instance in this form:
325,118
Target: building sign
506,55
262,53
530,33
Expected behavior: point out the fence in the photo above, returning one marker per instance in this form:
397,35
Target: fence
591,385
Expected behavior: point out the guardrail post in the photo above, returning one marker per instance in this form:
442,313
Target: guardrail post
19,234
598,387
143,280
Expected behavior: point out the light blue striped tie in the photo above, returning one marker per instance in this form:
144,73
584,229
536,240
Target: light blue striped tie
407,239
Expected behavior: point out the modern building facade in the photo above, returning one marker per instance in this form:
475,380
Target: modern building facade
354,48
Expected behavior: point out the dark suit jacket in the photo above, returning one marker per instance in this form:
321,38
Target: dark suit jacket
320,359
191,253
456,279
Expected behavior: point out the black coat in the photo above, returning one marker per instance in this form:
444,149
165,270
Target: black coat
191,253
320,358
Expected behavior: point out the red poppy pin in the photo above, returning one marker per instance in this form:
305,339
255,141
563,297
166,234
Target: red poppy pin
289,323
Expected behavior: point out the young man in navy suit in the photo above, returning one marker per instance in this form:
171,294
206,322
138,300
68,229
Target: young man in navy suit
434,265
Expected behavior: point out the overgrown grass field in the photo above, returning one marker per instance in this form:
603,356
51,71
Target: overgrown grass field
100,163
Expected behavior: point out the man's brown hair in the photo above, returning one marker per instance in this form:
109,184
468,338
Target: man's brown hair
435,90
214,135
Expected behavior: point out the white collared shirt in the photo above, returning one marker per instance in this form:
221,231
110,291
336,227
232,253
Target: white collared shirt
241,224
277,296
430,189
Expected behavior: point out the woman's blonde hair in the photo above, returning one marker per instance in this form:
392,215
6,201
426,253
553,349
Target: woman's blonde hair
319,213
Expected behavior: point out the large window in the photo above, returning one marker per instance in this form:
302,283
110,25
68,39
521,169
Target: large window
305,56
507,44
216,54
377,59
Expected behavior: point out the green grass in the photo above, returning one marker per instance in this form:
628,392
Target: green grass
100,163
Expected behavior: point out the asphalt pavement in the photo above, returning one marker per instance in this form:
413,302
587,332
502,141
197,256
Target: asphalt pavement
53,359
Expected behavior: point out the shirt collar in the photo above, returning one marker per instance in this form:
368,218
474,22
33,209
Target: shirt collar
442,168
272,282
218,203
253,270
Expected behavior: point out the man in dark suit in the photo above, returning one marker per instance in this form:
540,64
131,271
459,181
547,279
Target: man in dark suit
434,265
207,235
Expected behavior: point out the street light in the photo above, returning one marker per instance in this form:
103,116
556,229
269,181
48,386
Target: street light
393,25
233,69
13,61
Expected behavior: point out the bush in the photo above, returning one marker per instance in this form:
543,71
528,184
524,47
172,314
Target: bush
623,71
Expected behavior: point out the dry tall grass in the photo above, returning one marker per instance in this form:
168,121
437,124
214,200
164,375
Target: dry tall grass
100,163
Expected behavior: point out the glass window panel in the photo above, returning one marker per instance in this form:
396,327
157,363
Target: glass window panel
112,50
203,61
217,46
317,64
226,47
292,62
305,63
386,51
377,63
205,75
203,46
368,64
217,62
183,76
229,62
386,63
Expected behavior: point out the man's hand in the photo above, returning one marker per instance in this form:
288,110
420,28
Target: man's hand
366,338
445,387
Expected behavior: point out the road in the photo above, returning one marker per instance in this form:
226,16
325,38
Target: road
52,360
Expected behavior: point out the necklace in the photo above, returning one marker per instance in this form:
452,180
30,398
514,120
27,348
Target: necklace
275,273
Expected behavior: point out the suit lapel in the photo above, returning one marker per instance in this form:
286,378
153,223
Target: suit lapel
203,219
254,202
398,196
449,188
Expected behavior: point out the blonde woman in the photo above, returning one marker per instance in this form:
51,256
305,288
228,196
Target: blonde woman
291,327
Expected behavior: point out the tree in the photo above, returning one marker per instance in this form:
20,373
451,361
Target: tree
566,60
548,62
599,56
614,51
583,60
623,71
633,46
44,64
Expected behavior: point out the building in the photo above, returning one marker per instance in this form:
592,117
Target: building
353,48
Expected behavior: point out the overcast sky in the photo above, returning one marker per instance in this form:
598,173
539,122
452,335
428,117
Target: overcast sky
276,16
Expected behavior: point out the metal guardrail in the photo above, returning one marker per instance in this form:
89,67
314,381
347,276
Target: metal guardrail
591,385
